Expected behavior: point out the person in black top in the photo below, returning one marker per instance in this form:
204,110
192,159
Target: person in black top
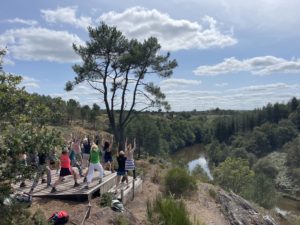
121,169
43,166
107,155
86,152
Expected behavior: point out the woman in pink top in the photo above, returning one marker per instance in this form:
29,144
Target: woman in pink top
65,170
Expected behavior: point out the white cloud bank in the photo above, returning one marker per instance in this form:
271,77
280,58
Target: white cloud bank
29,83
141,23
185,97
264,65
243,98
35,44
66,15
178,83
22,21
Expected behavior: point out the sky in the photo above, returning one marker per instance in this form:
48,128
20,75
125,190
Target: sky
231,54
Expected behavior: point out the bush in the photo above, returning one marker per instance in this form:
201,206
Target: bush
167,211
234,174
212,193
39,218
262,191
106,199
179,182
155,178
121,220
200,174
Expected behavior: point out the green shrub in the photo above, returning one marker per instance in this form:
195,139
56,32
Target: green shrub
106,199
262,191
200,174
179,182
121,220
212,193
167,211
39,218
155,178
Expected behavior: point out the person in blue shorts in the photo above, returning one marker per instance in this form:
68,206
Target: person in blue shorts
121,172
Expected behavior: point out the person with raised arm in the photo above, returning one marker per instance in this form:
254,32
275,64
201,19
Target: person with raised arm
65,170
107,154
129,150
94,165
121,172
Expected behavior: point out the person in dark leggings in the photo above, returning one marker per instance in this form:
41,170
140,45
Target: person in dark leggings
121,169
42,168
107,155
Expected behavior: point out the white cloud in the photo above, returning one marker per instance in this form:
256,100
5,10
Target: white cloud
244,98
178,83
40,44
263,65
29,82
22,21
141,23
222,84
267,16
66,15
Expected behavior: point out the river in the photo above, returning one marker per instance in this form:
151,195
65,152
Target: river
195,155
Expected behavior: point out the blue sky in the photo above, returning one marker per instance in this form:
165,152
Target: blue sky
231,54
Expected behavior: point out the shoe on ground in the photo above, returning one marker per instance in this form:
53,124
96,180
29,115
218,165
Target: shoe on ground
49,185
76,185
86,187
22,185
53,190
44,181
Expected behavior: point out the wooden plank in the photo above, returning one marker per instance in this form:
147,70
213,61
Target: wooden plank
67,186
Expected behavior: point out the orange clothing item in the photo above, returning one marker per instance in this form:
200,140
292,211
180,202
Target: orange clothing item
65,161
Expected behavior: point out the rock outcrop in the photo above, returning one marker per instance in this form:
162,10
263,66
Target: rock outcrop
239,211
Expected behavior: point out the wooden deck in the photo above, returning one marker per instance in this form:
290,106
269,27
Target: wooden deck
67,189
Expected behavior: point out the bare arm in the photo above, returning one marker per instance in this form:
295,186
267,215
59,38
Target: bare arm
134,145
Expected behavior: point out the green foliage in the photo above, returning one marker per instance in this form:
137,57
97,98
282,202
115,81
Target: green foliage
118,68
121,220
293,159
217,152
106,199
22,130
293,153
233,174
179,182
14,214
212,193
200,174
262,191
167,211
39,218
266,167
